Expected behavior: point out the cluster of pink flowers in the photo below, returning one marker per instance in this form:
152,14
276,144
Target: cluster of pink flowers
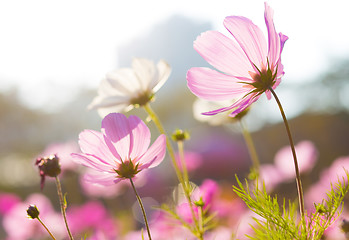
120,158
92,216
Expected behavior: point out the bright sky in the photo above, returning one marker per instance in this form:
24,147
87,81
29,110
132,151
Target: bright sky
53,47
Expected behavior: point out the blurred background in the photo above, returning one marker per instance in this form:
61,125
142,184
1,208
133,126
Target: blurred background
54,54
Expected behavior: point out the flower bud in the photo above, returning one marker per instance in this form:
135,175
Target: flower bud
33,212
180,135
200,203
48,166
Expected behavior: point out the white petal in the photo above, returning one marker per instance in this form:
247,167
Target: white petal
164,71
144,70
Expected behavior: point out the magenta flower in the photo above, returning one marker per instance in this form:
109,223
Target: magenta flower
121,150
247,67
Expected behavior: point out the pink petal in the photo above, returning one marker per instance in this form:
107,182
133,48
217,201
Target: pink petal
212,85
219,110
155,154
101,178
274,44
249,37
92,142
244,103
91,161
115,127
140,137
283,39
222,53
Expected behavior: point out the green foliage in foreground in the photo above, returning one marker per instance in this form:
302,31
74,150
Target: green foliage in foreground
282,222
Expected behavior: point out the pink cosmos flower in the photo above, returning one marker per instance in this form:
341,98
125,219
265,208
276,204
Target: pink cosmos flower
121,150
247,67
7,201
307,155
95,218
329,176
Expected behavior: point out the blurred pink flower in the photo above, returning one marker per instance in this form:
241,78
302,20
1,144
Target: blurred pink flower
246,68
270,175
336,170
334,231
18,226
307,156
7,202
332,174
121,150
220,233
92,216
193,160
63,152
207,192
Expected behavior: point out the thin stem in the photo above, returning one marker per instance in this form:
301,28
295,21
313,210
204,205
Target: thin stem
298,177
63,206
46,228
183,163
250,146
201,223
158,124
142,208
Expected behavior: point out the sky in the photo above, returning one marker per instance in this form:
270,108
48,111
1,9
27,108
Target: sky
54,48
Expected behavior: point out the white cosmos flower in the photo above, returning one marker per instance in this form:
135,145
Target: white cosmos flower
201,106
125,88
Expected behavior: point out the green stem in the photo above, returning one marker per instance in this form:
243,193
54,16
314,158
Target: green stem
142,208
46,228
183,163
250,146
201,223
63,206
158,124
298,177
170,150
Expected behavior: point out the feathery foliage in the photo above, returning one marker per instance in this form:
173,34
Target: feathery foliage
283,222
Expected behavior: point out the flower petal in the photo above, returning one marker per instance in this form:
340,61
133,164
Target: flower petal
212,85
144,71
244,103
92,143
104,111
125,81
283,39
219,110
140,137
155,154
274,43
116,130
249,37
91,161
108,101
223,53
164,71
101,178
